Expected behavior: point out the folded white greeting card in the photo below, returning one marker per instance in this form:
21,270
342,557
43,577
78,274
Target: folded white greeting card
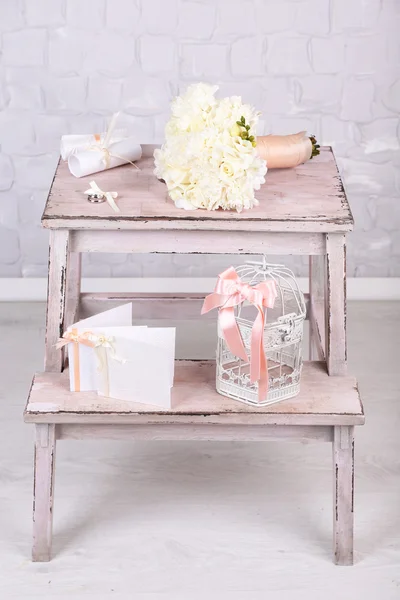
107,354
140,366
83,351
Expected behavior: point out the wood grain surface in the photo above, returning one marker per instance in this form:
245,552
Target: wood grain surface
43,492
323,400
308,198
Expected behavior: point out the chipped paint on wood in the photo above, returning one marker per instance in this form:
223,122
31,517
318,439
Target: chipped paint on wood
58,260
73,289
317,276
301,211
335,311
307,198
323,400
43,491
223,422
196,242
343,464
222,432
63,271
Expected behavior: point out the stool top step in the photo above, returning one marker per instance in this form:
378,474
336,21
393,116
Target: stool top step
308,198
323,400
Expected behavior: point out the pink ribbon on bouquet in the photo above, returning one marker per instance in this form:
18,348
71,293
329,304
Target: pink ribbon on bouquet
230,291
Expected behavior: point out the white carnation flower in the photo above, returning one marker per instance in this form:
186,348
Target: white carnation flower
209,158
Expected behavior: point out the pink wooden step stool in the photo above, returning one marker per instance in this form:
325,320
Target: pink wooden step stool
302,211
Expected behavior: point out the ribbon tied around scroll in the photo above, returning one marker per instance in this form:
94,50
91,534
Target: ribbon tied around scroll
231,291
102,144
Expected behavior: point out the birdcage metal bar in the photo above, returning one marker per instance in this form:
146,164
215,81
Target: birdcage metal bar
283,338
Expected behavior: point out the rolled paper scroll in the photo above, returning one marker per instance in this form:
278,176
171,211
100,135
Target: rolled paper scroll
95,158
283,151
87,154
72,143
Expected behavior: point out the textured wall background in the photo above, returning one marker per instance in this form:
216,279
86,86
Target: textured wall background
329,66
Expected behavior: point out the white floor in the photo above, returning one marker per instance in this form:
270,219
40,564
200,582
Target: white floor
191,521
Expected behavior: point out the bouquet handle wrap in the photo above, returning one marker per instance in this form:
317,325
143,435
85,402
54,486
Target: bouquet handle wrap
285,151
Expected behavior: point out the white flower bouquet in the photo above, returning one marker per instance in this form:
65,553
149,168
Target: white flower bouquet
209,159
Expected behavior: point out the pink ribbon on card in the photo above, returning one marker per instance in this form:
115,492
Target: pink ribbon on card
100,343
73,337
231,291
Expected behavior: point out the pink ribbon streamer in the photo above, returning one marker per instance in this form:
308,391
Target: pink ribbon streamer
230,291
75,338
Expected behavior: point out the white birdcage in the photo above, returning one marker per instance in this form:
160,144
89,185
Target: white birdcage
283,336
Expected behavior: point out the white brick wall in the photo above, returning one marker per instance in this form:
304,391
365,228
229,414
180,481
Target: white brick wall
332,66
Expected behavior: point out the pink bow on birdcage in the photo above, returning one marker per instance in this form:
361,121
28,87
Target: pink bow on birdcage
231,291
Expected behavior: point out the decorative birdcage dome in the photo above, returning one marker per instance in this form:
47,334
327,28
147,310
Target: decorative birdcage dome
280,340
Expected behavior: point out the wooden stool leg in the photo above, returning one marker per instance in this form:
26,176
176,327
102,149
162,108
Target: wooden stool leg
343,505
316,308
73,289
336,303
43,491
56,296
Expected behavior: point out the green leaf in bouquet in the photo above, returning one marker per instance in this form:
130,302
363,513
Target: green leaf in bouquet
315,147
